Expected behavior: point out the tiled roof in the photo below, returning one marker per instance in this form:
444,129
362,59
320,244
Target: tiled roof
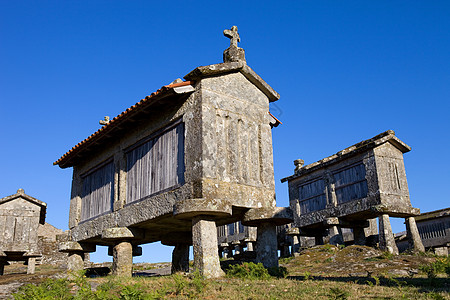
110,125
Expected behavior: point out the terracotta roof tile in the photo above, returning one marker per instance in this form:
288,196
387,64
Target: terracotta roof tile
105,128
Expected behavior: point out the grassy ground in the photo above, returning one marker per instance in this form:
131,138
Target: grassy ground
321,273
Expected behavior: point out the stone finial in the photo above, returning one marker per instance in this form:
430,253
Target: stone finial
20,191
233,35
104,121
233,53
298,164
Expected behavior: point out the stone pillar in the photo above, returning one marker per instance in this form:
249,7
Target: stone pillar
31,267
336,237
386,238
295,244
285,252
237,248
266,245
204,238
319,240
75,262
414,240
250,246
122,259
226,251
359,237
180,258
371,233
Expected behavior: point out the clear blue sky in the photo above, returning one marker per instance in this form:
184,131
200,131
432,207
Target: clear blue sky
345,70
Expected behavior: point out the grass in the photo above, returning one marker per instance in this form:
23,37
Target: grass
315,274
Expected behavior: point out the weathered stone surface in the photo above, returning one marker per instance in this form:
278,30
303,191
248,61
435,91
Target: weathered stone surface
206,257
193,207
31,265
75,263
20,216
276,216
180,258
387,242
415,242
122,259
118,233
266,245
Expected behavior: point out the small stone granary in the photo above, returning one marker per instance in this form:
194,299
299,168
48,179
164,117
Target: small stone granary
347,189
193,155
20,216
434,229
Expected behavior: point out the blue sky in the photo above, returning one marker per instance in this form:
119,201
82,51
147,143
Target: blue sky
345,70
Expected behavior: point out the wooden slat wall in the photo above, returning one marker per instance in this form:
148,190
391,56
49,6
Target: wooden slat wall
98,191
351,184
156,165
312,196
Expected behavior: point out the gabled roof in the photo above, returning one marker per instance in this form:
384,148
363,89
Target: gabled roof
233,67
21,194
387,136
113,125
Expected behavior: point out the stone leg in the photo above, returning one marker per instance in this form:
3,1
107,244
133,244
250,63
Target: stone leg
414,240
75,263
266,245
336,237
295,244
387,242
359,237
285,252
319,240
122,259
2,267
250,246
204,238
180,258
225,252
237,249
31,265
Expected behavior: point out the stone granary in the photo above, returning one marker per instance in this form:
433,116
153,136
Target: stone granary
434,229
359,183
192,156
20,216
235,237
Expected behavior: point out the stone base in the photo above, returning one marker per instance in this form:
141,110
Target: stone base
180,258
266,245
204,238
122,259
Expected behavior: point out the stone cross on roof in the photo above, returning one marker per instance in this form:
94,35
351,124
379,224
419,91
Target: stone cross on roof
233,35
233,53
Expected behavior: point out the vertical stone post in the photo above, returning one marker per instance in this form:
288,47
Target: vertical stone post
31,267
359,237
180,258
237,248
204,238
295,244
266,245
226,250
414,240
319,239
75,262
386,238
336,237
250,246
122,259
